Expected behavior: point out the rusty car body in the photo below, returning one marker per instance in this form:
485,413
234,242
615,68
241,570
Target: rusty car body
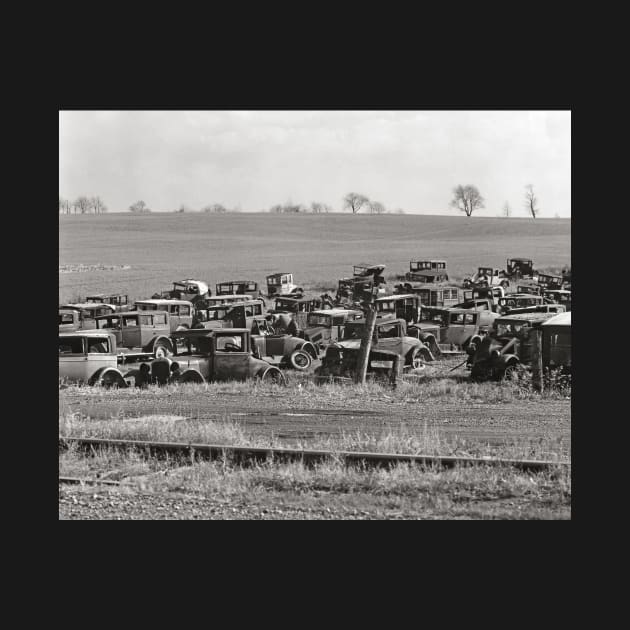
324,327
82,316
202,355
180,311
148,330
506,347
237,314
238,287
91,357
556,342
289,308
281,284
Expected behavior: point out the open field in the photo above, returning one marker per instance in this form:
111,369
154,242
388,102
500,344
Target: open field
318,249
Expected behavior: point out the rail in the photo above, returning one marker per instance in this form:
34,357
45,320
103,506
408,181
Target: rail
248,453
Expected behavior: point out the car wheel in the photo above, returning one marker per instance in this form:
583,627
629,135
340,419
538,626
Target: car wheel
111,380
161,351
510,373
191,377
272,375
300,360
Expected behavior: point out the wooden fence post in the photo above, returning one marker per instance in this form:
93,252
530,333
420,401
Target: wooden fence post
537,360
366,344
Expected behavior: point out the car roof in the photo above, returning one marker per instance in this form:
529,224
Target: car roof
533,317
335,311
128,313
280,273
561,291
396,296
509,296
549,275
561,319
237,282
521,259
208,332
86,333
163,301
85,306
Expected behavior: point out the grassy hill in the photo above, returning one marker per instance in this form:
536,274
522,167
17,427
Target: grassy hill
318,249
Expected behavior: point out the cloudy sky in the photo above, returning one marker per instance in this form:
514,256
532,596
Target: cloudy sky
255,159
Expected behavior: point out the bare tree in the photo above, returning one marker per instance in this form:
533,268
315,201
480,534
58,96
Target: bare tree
376,207
531,201
139,207
467,199
506,209
355,201
96,203
82,204
214,208
320,208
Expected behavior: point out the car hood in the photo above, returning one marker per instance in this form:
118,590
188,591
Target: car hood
316,333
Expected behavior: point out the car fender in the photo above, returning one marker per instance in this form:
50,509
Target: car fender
151,345
100,373
307,346
187,373
507,359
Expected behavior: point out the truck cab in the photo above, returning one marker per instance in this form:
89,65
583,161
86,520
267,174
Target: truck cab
324,327
82,316
403,306
238,314
281,284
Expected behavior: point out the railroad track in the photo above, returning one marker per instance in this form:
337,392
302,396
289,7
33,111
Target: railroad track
245,454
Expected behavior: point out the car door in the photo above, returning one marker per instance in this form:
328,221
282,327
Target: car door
389,337
230,358
73,358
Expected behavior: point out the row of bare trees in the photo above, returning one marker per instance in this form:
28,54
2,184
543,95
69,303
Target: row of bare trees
468,199
352,201
82,205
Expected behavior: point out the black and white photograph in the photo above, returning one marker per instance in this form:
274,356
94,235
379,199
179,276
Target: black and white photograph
314,314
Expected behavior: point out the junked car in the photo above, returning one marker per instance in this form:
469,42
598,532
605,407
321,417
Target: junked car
556,342
431,294
281,284
508,345
422,265
427,276
146,330
82,316
237,314
487,277
296,308
558,296
189,290
120,301
92,357
454,329
518,300
550,281
324,327
203,355
517,268
180,311
238,287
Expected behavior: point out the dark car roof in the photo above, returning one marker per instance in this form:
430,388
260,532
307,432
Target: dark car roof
127,313
208,332
238,282
521,259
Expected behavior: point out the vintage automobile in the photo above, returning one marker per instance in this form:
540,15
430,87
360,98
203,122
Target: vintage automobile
81,316
403,305
91,357
487,277
324,327
506,347
454,329
147,330
427,276
478,304
556,342
189,290
180,311
517,268
550,281
430,294
518,300
558,296
482,293
281,284
119,301
239,314
566,279
297,308
422,265
541,308
344,364
219,300
238,287
285,351
351,291
389,334
211,355
530,289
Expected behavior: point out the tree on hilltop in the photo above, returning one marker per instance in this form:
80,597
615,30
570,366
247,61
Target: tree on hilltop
467,199
355,201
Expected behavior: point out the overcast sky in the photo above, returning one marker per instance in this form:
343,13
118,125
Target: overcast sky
255,159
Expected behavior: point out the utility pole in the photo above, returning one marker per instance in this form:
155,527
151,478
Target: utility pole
366,343
537,359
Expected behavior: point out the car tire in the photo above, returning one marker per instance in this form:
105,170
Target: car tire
190,377
300,360
272,375
111,380
162,350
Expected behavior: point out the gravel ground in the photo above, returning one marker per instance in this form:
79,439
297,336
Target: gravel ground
105,503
